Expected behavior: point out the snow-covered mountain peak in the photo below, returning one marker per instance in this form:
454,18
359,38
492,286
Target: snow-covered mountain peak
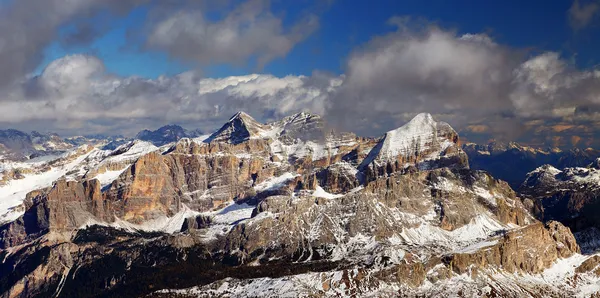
299,117
421,119
241,115
303,125
421,139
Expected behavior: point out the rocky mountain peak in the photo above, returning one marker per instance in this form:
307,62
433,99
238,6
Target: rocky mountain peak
239,128
166,134
420,141
303,125
258,200
17,143
569,195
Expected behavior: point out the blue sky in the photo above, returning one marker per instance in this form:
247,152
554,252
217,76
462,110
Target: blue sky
510,69
533,25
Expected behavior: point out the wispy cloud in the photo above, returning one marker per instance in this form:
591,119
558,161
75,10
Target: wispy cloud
582,14
249,31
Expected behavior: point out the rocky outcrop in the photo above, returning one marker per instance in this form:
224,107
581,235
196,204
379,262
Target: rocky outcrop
65,207
528,250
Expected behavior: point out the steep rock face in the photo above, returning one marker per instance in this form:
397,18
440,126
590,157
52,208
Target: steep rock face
399,216
192,175
145,190
422,142
65,207
545,244
340,177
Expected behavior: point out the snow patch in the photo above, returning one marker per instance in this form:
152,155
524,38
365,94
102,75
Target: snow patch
321,193
108,177
274,183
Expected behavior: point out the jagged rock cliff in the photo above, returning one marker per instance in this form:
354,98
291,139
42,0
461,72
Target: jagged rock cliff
277,204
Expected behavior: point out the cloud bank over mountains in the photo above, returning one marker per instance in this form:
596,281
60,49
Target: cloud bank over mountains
469,80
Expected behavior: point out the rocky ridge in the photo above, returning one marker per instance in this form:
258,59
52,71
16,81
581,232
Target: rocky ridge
287,204
166,134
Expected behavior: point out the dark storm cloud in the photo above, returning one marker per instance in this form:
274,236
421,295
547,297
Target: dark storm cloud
427,69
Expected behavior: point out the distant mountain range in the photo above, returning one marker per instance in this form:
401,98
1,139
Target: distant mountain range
19,145
167,134
512,162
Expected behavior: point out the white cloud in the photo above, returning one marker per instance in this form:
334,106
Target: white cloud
249,31
547,86
581,15
428,70
71,74
463,78
28,26
76,95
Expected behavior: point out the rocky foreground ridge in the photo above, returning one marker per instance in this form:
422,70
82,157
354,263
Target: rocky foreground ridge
284,208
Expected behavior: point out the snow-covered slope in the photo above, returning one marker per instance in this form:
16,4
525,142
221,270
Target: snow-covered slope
570,195
288,200
79,163
416,136
418,141
37,175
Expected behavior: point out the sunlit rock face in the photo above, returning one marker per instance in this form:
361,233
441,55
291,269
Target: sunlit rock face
289,204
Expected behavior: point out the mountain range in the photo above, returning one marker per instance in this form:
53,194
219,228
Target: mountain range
292,208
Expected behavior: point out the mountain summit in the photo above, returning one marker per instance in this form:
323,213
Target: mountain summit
166,134
278,209
240,127
422,142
